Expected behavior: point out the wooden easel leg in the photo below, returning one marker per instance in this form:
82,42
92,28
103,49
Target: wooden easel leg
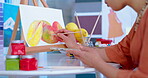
25,2
14,31
44,3
35,3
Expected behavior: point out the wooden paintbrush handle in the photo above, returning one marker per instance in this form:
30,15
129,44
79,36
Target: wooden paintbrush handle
68,33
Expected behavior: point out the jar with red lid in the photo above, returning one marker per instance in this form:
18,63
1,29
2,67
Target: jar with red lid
18,47
28,63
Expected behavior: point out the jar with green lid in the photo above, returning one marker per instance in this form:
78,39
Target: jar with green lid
12,62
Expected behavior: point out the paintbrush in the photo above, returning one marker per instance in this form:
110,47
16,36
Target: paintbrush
68,33
94,28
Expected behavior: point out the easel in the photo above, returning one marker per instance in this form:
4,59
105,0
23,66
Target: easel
35,49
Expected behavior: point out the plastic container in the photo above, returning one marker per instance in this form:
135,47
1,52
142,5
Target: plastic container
12,62
107,42
18,47
28,63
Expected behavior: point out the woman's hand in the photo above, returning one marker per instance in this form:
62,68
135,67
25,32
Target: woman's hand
92,57
88,55
69,39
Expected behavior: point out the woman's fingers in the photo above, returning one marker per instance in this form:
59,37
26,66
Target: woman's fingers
80,52
63,31
78,57
60,33
62,36
74,52
77,53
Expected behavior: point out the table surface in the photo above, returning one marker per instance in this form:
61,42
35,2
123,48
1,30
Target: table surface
53,60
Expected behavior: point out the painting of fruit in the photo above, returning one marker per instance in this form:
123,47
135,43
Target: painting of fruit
35,32
39,24
42,30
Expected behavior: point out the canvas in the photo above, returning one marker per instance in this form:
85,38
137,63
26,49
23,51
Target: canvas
40,24
10,14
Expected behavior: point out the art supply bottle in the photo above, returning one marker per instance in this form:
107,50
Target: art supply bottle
90,44
12,62
28,63
18,47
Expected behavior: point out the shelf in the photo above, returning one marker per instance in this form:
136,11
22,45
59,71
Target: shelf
48,72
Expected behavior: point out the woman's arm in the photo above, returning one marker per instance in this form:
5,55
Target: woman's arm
102,54
106,69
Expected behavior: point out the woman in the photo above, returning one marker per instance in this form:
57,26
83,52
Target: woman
130,53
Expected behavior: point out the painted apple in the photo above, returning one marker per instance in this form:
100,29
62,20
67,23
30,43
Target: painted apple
49,31
56,26
48,36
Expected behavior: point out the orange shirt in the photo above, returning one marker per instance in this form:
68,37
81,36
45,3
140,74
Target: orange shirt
132,52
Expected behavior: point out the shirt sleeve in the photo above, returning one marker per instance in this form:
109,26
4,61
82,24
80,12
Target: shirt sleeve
142,69
120,53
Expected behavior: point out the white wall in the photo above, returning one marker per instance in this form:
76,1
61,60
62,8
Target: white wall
127,16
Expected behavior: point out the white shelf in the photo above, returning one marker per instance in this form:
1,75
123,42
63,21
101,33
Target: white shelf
48,72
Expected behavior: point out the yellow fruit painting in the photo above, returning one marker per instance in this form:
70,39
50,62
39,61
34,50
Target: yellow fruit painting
34,33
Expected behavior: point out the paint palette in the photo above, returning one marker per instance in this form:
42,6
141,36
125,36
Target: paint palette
62,49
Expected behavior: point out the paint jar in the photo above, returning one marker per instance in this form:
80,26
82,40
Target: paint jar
28,63
18,47
12,62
